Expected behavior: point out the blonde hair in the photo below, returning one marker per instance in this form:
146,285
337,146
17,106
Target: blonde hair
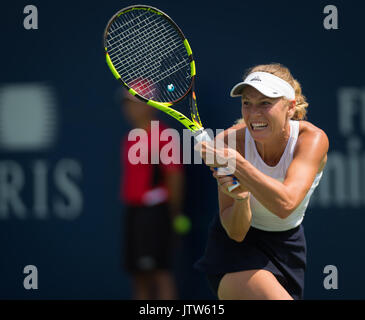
283,72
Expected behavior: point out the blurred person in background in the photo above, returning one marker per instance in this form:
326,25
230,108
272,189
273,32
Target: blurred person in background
153,196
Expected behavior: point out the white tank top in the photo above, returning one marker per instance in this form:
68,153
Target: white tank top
261,217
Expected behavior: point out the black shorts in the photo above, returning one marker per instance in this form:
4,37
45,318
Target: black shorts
282,253
148,239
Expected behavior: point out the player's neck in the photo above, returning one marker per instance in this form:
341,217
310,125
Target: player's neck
272,151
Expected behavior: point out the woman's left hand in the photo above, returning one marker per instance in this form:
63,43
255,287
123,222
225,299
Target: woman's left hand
224,182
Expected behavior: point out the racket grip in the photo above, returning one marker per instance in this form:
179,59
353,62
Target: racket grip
235,182
233,186
202,136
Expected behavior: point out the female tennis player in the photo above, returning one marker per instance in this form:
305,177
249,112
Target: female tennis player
256,247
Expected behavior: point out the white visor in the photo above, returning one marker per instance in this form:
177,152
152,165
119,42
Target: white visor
268,84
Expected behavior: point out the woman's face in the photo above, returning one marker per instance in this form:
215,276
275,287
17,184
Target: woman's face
265,117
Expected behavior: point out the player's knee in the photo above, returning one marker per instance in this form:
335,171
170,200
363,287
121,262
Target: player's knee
232,288
250,285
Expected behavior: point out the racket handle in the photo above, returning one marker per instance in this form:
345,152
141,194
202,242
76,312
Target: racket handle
201,136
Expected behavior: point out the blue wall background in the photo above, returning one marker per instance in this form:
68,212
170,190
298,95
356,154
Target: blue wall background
74,241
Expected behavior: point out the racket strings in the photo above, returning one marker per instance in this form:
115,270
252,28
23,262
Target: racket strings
139,40
134,37
128,23
143,45
133,51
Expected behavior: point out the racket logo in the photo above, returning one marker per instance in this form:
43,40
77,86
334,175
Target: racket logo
170,88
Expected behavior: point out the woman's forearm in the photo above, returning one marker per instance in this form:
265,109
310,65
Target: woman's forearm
236,219
271,193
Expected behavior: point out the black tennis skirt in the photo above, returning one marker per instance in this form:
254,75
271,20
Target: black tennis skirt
283,253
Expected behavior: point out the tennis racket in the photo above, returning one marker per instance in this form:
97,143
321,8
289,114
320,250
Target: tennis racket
150,55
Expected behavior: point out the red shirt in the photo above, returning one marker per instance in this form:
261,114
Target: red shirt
137,181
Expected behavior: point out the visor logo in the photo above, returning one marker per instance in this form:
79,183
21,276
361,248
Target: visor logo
256,79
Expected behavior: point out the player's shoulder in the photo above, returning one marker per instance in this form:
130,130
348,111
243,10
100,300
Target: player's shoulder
309,129
308,132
